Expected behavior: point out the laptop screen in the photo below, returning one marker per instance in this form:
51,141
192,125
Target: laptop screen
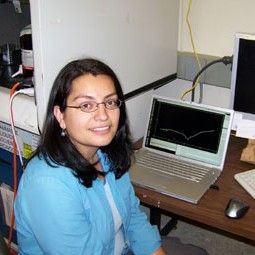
188,130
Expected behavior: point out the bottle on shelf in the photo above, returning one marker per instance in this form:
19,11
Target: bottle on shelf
27,51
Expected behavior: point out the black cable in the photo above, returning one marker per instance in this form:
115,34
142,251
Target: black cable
225,60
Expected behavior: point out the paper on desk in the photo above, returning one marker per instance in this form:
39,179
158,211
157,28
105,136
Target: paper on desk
246,129
6,203
238,117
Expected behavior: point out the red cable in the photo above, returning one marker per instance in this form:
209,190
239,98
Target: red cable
15,182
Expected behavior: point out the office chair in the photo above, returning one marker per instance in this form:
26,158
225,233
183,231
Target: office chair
3,246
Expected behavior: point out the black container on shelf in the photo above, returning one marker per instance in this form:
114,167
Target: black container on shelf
27,51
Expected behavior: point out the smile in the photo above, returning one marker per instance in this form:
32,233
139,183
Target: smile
100,129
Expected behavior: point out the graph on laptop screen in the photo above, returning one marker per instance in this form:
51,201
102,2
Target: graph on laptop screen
188,130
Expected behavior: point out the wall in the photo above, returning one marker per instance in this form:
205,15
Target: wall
138,39
214,24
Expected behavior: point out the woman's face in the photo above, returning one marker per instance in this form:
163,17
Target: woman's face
88,131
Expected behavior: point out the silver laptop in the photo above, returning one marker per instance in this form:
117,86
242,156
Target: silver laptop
184,148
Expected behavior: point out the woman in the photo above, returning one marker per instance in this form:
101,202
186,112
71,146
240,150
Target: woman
75,196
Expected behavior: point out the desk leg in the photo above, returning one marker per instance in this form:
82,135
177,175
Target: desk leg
155,219
170,225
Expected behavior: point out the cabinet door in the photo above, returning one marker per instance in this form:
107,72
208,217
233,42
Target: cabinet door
138,39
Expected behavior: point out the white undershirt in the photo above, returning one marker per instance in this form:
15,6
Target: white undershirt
119,237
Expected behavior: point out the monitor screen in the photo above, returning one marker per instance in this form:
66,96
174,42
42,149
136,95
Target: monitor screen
243,76
188,130
186,126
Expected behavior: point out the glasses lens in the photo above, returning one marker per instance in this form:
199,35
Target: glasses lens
113,104
109,104
89,107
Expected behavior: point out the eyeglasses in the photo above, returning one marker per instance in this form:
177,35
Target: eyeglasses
91,106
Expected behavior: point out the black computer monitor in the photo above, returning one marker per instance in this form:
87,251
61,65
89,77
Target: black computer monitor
242,98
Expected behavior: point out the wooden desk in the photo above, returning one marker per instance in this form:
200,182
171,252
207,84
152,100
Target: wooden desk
210,209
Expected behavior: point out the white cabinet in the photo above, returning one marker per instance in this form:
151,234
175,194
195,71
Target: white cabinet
137,38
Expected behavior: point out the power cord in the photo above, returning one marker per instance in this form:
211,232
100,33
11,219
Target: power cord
28,92
225,60
191,35
193,48
15,86
13,93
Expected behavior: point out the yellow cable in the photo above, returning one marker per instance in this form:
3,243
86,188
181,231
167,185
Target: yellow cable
191,35
194,50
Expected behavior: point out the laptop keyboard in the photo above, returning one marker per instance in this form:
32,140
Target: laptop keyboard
172,167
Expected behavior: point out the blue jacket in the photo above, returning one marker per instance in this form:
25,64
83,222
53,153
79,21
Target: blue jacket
56,215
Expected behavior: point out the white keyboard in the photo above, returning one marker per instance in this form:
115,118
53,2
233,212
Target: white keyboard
247,181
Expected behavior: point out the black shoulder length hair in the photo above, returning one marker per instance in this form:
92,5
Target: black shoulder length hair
60,150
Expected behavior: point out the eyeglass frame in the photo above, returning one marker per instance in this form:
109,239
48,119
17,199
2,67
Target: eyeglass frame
97,104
